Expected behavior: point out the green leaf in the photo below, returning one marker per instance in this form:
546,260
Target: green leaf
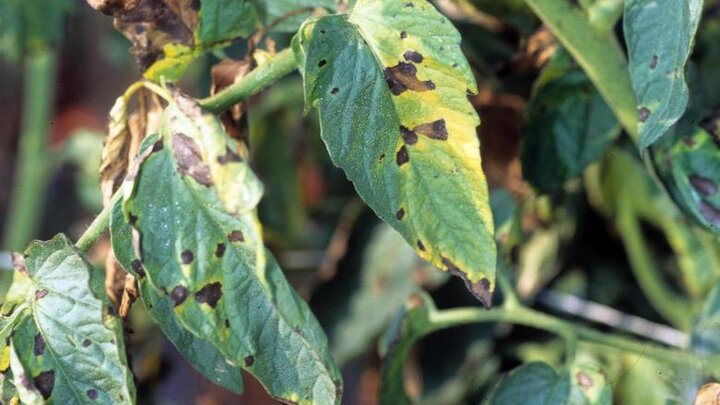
192,209
536,383
270,11
388,276
222,20
71,349
200,353
390,85
659,38
569,126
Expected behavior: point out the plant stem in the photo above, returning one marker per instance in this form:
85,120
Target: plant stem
669,305
528,317
33,163
282,64
98,225
598,52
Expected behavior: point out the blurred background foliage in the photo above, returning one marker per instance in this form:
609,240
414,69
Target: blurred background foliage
601,232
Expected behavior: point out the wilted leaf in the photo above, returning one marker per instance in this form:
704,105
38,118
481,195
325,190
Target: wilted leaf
569,126
114,158
200,353
70,350
659,36
390,85
192,210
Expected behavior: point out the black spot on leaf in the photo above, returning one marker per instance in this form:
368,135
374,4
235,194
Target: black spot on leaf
157,146
86,343
404,77
227,323
132,218
400,214
434,130
322,63
39,294
210,294
187,257
189,159
403,35
334,90
236,236
45,382
703,185
653,62
220,250
402,156
420,245
138,267
249,361
39,347
230,156
410,137
643,114
92,394
178,294
413,56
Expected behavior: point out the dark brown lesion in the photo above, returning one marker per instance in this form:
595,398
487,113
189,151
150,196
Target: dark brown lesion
403,77
236,236
178,294
189,159
400,214
402,156
210,294
480,289
434,130
45,382
230,156
413,56
409,136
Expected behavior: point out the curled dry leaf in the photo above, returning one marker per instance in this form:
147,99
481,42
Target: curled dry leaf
709,394
225,74
113,163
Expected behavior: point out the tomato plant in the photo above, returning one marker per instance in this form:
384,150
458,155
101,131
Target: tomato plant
619,153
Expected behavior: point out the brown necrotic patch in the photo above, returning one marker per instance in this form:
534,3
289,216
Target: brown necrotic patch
45,382
236,236
92,394
210,294
187,257
643,114
434,130
413,56
39,294
86,343
230,156
420,245
39,347
178,294
220,250
138,267
402,156
189,159
403,77
480,289
249,361
400,214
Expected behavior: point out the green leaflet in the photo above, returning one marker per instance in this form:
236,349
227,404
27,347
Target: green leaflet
192,209
70,348
659,36
538,383
222,20
270,11
200,353
569,126
390,83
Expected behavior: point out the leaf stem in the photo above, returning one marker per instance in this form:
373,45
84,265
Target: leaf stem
280,65
98,225
598,52
33,162
528,317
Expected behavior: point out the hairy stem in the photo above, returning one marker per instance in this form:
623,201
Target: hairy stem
528,317
668,304
33,164
597,51
98,225
280,65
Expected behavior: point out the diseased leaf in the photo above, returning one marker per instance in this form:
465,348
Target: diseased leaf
200,353
659,37
70,350
569,126
390,84
192,205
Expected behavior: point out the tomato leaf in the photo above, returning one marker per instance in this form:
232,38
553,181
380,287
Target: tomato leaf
191,204
270,11
390,85
70,349
659,37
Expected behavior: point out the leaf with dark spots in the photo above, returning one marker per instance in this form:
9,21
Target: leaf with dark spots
137,267
402,157
220,250
643,114
210,294
403,77
249,361
178,294
236,236
420,245
434,130
92,394
413,56
86,343
45,382
400,214
410,137
187,257
189,159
